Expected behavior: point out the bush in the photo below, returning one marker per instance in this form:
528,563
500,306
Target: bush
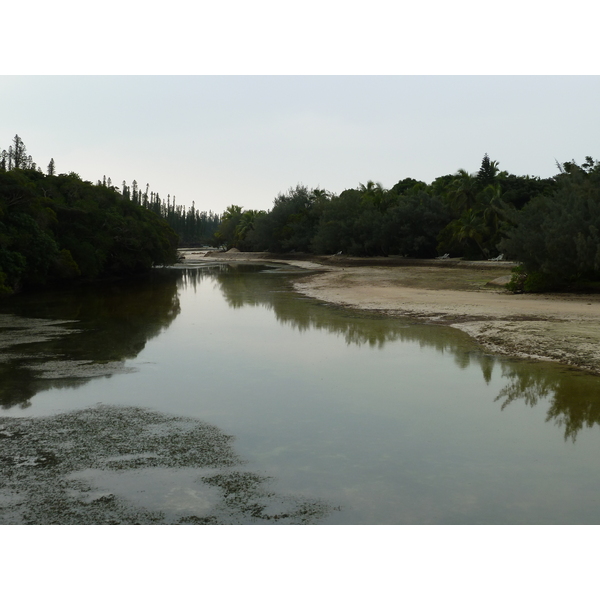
557,237
523,282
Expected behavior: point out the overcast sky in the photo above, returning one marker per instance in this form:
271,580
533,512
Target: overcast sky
221,140
234,102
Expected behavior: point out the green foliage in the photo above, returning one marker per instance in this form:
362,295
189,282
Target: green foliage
406,186
54,228
483,208
558,235
192,225
463,214
66,267
12,267
228,228
413,222
339,227
523,282
518,191
294,220
467,233
291,224
4,289
487,171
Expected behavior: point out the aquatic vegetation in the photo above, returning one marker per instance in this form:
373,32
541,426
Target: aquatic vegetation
126,465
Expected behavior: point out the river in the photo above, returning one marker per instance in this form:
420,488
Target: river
317,414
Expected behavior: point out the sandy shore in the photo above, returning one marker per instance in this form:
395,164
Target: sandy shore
559,327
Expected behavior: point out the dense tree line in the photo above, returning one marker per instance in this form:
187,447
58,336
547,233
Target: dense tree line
551,226
57,227
462,214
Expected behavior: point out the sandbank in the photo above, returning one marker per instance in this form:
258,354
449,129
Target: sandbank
467,295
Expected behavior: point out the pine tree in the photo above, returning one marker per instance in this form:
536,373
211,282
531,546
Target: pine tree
19,153
51,167
488,170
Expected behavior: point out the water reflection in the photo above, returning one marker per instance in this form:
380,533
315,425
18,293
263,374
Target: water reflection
574,397
243,285
63,339
246,285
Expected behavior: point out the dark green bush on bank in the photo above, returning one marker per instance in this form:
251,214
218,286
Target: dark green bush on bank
557,235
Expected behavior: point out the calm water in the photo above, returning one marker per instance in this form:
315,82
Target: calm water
392,422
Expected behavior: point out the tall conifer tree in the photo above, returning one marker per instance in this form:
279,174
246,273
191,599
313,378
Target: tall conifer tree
19,153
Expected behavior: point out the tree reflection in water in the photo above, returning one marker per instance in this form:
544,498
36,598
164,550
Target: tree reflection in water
110,464
63,339
573,396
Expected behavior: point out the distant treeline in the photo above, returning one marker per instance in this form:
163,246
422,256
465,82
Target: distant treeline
193,227
58,227
550,225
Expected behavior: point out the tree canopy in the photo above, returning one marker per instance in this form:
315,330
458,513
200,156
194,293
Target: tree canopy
550,225
58,227
557,235
462,214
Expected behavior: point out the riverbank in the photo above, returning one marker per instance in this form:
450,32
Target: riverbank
467,295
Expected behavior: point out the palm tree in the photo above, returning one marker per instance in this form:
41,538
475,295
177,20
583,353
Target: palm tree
493,206
374,194
246,223
463,192
470,226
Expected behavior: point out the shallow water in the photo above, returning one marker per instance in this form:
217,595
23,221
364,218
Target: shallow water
383,420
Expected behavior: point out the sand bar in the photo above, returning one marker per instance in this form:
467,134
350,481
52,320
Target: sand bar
558,327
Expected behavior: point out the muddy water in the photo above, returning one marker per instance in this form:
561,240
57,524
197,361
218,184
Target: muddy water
320,415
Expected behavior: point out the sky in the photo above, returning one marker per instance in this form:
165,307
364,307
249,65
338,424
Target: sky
222,140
